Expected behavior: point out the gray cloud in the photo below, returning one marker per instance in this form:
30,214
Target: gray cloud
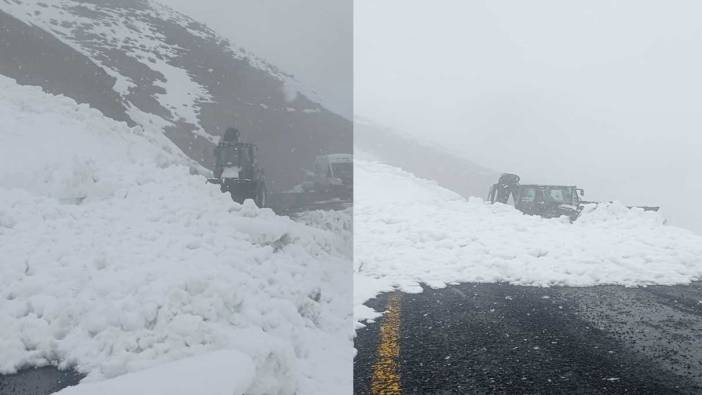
605,94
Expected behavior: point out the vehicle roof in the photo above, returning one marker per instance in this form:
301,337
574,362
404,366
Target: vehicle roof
234,143
546,185
336,157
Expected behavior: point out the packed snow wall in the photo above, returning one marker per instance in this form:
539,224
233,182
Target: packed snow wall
116,259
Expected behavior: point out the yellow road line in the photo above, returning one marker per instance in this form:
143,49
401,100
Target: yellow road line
386,375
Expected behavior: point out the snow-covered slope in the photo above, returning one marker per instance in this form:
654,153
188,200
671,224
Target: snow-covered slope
411,231
116,259
141,62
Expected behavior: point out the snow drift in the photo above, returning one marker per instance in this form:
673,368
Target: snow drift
411,231
217,373
115,259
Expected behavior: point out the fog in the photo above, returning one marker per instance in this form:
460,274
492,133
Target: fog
602,94
310,39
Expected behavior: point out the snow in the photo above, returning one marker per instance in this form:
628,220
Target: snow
181,95
117,260
217,373
411,231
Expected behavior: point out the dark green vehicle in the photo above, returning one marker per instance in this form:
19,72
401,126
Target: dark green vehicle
238,174
548,201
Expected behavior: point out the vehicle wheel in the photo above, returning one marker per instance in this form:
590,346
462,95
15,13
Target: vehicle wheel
237,196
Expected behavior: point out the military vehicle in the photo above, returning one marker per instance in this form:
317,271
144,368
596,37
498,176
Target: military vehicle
328,186
548,201
237,173
332,174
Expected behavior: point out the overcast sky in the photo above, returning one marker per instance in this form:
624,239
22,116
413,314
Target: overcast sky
311,39
603,94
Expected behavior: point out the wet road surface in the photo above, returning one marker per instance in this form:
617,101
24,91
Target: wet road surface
39,381
500,338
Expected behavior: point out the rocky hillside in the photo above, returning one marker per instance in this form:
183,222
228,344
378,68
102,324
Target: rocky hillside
140,62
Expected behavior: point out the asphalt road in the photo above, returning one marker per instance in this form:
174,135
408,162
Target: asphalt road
500,338
39,381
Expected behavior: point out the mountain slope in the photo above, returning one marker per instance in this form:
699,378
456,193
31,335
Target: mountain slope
143,63
115,259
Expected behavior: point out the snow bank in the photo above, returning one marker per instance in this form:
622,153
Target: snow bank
216,373
116,259
67,151
411,231
337,222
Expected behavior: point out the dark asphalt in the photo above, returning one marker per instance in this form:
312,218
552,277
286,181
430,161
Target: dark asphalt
500,338
39,381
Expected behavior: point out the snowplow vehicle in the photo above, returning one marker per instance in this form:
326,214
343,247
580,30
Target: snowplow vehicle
237,173
328,186
548,201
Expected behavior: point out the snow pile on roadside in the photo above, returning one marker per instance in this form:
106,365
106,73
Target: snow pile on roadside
411,231
56,148
216,373
338,222
116,259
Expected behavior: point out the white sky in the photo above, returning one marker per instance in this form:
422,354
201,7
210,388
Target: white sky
310,39
603,94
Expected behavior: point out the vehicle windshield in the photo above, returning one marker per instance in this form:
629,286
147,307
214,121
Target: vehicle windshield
343,170
233,155
527,195
559,195
228,156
